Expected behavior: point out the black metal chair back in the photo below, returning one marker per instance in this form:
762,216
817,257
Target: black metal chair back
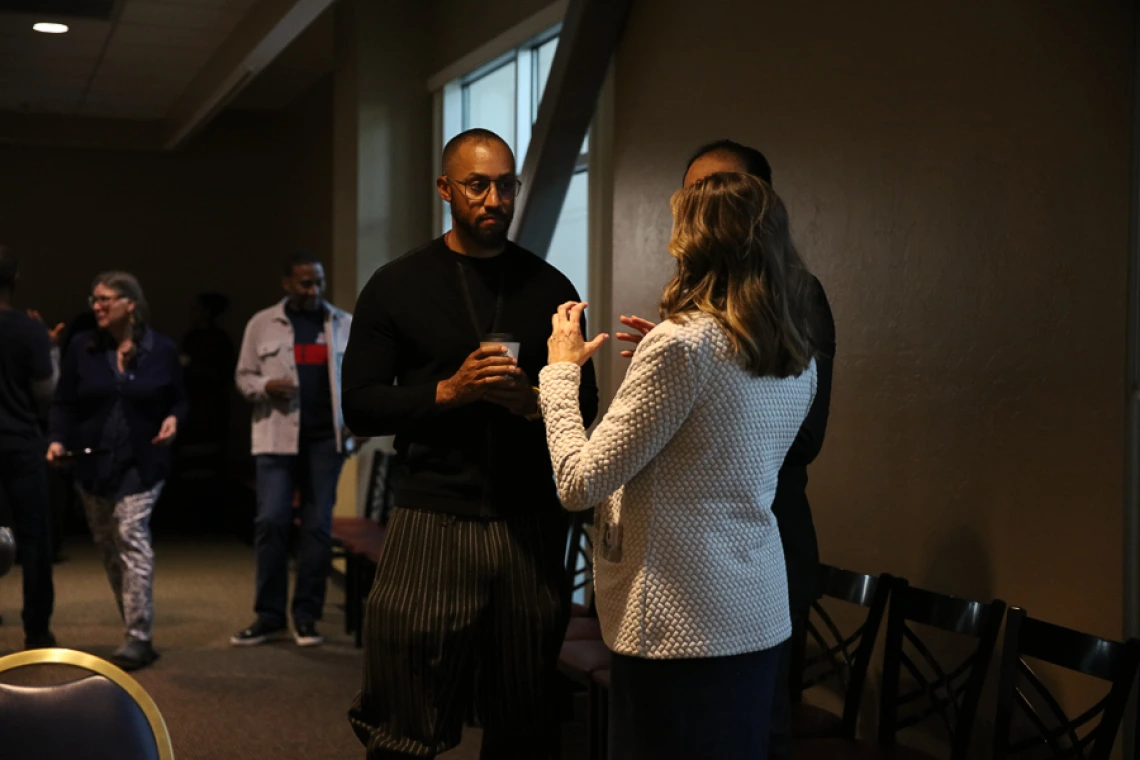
837,657
1021,692
950,693
103,715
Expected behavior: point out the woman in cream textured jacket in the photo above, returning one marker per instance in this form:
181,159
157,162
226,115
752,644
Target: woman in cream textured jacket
688,569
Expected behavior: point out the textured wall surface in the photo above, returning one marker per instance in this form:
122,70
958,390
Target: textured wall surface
957,175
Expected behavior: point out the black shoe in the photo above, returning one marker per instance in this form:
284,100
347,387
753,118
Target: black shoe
258,633
134,654
305,634
43,640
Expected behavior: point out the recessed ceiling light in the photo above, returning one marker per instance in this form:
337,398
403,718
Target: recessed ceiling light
48,28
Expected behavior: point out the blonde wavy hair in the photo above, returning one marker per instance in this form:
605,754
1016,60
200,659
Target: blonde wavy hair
736,262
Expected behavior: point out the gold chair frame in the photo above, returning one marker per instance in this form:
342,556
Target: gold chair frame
93,664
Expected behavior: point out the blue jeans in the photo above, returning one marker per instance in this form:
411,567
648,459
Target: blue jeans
315,471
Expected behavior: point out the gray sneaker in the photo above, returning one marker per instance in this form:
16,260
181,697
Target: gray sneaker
257,633
134,654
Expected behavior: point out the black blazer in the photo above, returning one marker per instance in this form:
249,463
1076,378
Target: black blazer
88,389
793,513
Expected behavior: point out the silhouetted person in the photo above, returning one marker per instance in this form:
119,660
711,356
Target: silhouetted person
28,373
208,357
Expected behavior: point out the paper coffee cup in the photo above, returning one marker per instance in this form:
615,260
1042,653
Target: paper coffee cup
502,339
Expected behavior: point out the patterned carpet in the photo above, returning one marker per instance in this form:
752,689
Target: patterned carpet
277,702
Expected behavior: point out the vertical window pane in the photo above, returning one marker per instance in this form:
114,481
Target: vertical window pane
569,249
489,103
544,58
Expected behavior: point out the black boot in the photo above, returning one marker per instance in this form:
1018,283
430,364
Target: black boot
134,654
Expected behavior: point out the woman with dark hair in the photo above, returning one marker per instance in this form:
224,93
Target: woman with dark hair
689,570
117,409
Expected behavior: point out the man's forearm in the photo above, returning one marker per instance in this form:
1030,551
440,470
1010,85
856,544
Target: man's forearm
376,410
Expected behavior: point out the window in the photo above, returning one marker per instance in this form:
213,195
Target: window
544,58
490,101
504,96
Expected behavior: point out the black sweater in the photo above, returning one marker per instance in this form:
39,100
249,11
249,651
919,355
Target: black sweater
412,327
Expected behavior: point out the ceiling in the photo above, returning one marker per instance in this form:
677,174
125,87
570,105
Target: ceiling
157,60
300,66
133,66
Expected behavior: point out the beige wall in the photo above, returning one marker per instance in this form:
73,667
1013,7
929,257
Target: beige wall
957,176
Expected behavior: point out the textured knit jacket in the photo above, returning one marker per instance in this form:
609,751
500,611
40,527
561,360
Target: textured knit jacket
685,461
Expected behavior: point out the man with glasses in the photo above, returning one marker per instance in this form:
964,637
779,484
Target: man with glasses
471,598
289,369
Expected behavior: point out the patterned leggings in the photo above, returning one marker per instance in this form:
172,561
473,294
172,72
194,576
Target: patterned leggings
122,530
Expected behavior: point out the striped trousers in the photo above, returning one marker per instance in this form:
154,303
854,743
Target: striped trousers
464,612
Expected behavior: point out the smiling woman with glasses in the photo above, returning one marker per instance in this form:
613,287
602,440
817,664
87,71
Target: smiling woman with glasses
120,401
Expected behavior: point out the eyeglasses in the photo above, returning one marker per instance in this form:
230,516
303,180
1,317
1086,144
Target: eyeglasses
102,300
476,189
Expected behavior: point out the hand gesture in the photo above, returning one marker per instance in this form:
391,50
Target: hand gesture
486,369
642,326
54,333
167,433
281,388
54,452
519,399
566,342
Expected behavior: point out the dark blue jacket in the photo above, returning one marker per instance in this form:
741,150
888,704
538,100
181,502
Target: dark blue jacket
87,391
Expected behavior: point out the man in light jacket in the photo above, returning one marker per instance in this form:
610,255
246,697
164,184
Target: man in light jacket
289,369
